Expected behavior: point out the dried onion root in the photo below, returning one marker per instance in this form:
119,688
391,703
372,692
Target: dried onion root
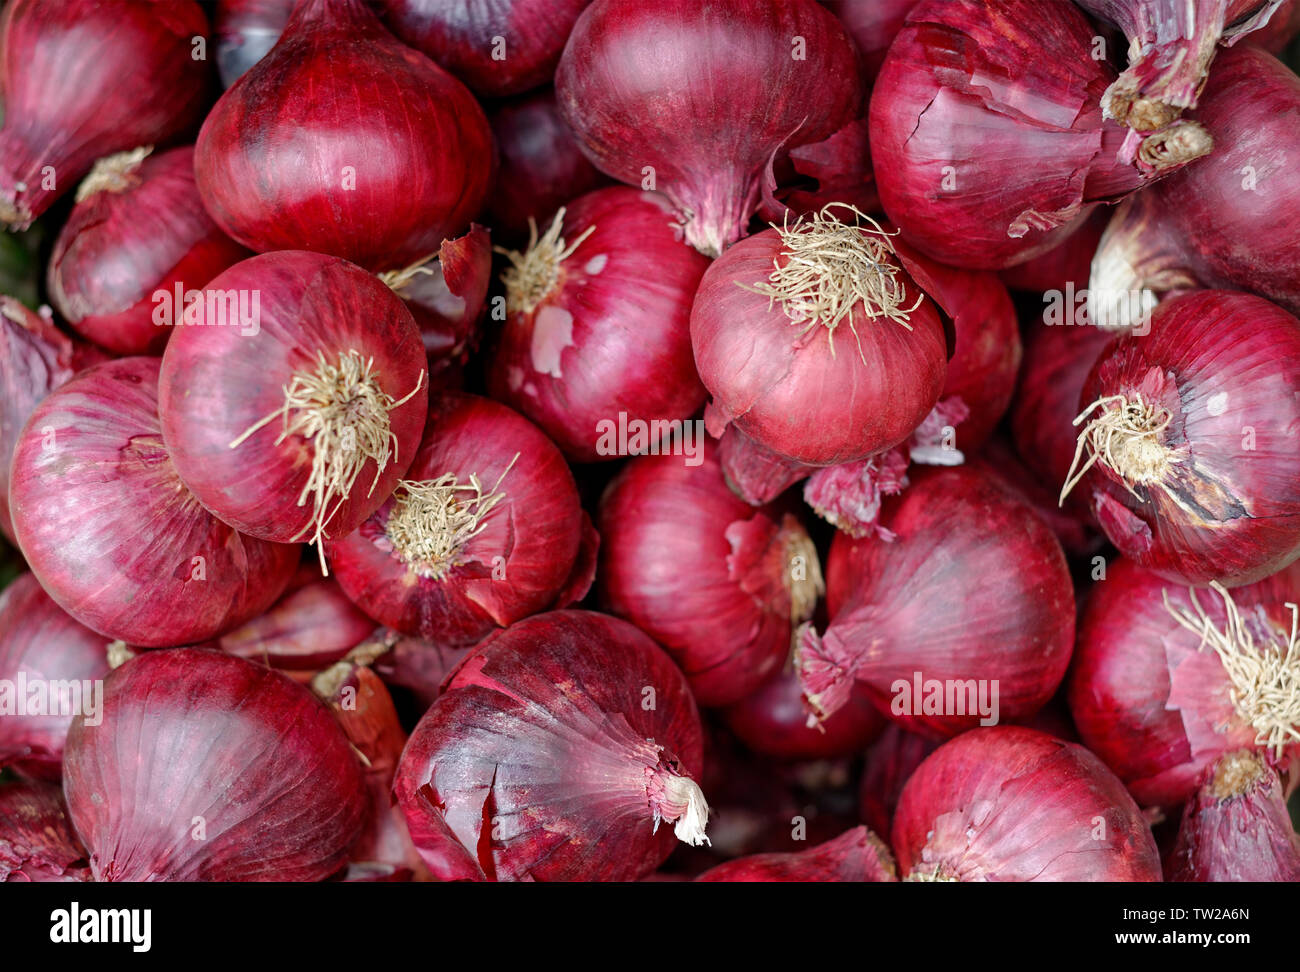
1125,437
533,273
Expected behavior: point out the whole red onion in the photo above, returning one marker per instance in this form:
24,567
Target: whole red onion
51,664
1189,442
1236,826
694,100
855,855
211,768
112,533
86,78
719,583
556,751
1166,680
483,530
138,232
497,47
1013,804
938,628
873,25
982,173
298,419
245,31
36,839
597,338
344,141
890,763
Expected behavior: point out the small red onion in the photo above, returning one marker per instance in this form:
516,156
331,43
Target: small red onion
597,338
1282,28
138,231
890,763
344,141
558,748
211,768
1013,804
83,79
37,842
694,100
245,31
111,531
855,855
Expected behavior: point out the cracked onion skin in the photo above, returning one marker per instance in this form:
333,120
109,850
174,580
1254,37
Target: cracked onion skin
534,764
193,738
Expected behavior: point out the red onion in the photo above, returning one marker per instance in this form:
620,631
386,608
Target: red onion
344,141
35,358
1189,449
299,421
1236,827
483,529
985,174
86,78
541,167
138,233
939,630
112,533
890,763
1282,28
50,664
719,583
558,748
855,855
597,337
245,31
497,47
1068,263
1013,804
36,840
211,768
764,329
1166,680
415,668
873,25
693,100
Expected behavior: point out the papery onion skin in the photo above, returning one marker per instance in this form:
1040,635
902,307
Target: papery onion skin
112,533
381,187
856,855
447,302
719,583
218,382
195,738
535,763
516,566
497,47
609,342
1226,368
42,644
121,248
1012,804
83,79
697,98
245,31
37,843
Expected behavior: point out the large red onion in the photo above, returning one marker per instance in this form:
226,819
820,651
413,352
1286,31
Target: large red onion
483,530
556,752
245,31
1158,703
719,583
298,419
138,233
694,99
940,628
855,855
1189,442
111,531
1013,804
983,173
37,842
50,664
344,141
211,768
86,78
597,338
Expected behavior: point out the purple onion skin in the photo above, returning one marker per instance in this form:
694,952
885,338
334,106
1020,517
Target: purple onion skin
207,767
856,855
37,843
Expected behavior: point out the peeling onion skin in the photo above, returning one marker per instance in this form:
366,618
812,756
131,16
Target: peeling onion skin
85,78
39,639
281,170
1011,804
612,335
539,737
640,86
263,764
1226,366
112,533
855,855
37,843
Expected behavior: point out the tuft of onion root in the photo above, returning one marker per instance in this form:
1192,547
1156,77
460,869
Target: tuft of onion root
1124,436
